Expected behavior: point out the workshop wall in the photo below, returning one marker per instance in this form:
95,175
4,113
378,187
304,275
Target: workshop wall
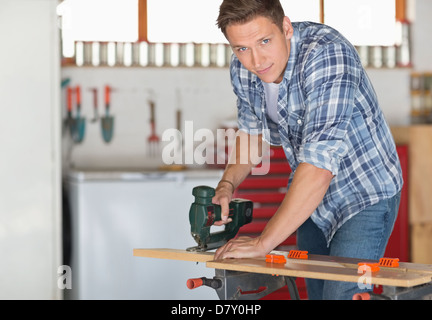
204,96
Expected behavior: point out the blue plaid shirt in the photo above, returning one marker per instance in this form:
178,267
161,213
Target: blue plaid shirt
329,117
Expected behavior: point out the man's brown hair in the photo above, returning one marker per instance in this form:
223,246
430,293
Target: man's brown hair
242,11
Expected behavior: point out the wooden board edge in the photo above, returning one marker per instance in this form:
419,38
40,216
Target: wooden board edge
173,254
313,271
180,254
330,261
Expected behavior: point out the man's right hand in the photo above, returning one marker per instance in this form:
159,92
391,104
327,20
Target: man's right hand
223,198
236,171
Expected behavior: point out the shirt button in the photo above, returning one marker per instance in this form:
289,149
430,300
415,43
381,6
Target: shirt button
299,121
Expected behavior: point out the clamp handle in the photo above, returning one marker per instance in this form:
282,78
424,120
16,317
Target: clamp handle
198,282
194,283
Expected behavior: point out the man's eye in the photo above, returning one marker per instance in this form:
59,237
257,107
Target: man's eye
242,49
265,41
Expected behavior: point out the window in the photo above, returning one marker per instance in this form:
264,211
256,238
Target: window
97,20
365,22
172,25
184,32
183,21
305,10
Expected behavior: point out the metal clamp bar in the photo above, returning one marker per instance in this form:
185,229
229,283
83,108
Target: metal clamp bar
238,285
421,292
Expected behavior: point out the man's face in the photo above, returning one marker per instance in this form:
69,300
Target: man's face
262,47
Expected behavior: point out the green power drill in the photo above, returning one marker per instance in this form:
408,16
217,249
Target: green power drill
203,213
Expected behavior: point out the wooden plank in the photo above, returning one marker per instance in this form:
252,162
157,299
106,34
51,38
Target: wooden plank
174,254
316,267
314,259
315,271
353,263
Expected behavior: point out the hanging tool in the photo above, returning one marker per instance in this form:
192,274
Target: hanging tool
79,121
179,119
179,141
95,105
65,82
66,123
153,139
70,121
107,121
203,213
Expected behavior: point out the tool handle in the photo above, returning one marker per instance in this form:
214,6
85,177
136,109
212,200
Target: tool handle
178,120
95,97
69,99
194,283
361,296
198,282
107,96
78,96
152,112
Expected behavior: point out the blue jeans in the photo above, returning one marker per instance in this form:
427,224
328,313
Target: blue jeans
364,236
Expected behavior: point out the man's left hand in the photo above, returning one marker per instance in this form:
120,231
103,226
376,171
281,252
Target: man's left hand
241,247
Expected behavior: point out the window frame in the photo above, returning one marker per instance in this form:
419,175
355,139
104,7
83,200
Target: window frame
400,6
401,15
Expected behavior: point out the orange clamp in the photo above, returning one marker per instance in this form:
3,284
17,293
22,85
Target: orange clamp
389,262
366,266
275,258
297,254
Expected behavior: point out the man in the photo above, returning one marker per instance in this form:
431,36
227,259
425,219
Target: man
302,86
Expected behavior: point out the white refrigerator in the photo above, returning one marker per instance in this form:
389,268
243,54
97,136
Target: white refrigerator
112,213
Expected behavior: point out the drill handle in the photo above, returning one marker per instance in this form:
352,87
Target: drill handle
198,282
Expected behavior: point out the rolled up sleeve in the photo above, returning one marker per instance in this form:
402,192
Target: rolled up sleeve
331,78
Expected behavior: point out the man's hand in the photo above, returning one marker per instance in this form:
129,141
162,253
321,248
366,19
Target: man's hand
242,247
236,171
223,198
307,190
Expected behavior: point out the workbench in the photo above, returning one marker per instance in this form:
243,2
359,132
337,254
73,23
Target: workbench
407,281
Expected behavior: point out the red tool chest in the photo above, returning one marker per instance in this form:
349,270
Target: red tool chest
399,242
267,192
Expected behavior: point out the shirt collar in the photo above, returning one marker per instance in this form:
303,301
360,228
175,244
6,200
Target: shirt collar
293,55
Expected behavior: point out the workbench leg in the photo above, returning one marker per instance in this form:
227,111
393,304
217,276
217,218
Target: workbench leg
292,288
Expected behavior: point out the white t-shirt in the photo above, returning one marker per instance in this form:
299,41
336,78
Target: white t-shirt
271,95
